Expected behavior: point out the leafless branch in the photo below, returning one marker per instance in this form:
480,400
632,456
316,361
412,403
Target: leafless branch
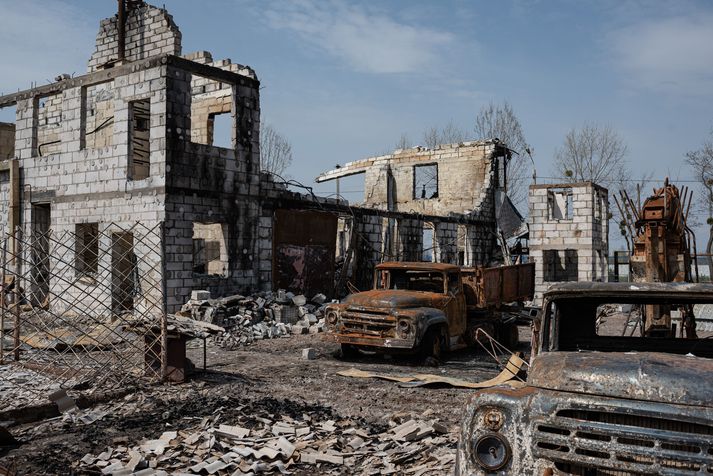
701,162
501,122
275,150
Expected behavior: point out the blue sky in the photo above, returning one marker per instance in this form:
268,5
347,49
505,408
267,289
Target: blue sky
343,80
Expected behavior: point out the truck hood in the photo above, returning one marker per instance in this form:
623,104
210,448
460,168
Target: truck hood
657,377
395,299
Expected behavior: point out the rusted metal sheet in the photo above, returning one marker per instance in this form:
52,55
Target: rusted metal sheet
418,265
304,246
505,284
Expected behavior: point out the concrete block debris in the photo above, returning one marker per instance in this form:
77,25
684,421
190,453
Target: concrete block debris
247,319
306,442
310,353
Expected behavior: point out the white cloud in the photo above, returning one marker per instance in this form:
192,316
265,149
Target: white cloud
671,55
41,39
365,39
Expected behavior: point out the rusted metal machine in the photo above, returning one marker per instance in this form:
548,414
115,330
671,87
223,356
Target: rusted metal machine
661,244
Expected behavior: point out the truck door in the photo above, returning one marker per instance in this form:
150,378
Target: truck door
455,305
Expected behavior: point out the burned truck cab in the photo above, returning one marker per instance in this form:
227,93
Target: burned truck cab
412,307
600,398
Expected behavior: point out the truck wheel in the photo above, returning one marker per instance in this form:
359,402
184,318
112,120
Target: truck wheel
432,344
349,351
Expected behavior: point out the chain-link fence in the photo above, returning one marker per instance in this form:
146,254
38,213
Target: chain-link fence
82,309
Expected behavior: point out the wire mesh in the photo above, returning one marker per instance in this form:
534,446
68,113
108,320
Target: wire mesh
81,309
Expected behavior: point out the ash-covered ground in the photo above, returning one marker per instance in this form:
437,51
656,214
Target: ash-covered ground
301,418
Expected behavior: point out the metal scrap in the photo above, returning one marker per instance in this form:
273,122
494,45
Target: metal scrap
514,365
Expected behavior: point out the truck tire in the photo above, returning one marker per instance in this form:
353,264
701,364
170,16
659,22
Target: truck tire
433,344
349,351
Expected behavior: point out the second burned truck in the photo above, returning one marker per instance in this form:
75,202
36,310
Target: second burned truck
430,308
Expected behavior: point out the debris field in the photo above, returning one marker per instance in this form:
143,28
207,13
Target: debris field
262,409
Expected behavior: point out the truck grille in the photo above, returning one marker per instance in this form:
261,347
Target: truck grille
367,322
617,443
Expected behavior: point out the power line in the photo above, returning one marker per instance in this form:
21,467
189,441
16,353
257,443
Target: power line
566,180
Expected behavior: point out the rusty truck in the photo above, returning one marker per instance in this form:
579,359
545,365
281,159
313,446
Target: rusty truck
597,399
430,308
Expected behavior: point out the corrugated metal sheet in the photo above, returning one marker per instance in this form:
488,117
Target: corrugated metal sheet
304,245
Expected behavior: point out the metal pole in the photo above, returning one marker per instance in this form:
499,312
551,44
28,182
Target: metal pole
16,302
2,303
616,266
164,313
205,353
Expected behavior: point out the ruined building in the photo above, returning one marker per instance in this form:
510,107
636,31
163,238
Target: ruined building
133,140
136,141
569,230
464,180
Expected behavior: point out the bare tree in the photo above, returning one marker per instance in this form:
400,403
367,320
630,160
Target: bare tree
449,134
275,150
432,138
593,153
701,161
501,122
404,142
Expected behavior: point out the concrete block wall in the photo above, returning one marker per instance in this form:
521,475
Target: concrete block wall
98,114
82,184
210,97
368,253
481,248
48,111
7,141
585,232
446,243
150,31
465,178
409,243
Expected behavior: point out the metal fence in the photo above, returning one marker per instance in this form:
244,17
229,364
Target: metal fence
82,310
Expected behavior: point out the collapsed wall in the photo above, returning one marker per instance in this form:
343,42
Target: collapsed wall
459,181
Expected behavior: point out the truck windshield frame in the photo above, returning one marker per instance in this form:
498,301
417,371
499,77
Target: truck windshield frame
572,324
417,280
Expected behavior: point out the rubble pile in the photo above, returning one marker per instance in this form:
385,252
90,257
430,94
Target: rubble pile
265,442
247,319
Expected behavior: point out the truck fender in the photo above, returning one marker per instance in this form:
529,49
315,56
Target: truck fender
426,318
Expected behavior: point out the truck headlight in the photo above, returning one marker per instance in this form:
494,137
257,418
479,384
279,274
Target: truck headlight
491,452
493,419
403,327
332,318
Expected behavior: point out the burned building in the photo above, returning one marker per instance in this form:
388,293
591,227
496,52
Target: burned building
134,141
569,233
464,181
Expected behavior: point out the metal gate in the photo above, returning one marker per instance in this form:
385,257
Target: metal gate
81,310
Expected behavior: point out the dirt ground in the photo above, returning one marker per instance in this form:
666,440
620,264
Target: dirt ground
269,377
